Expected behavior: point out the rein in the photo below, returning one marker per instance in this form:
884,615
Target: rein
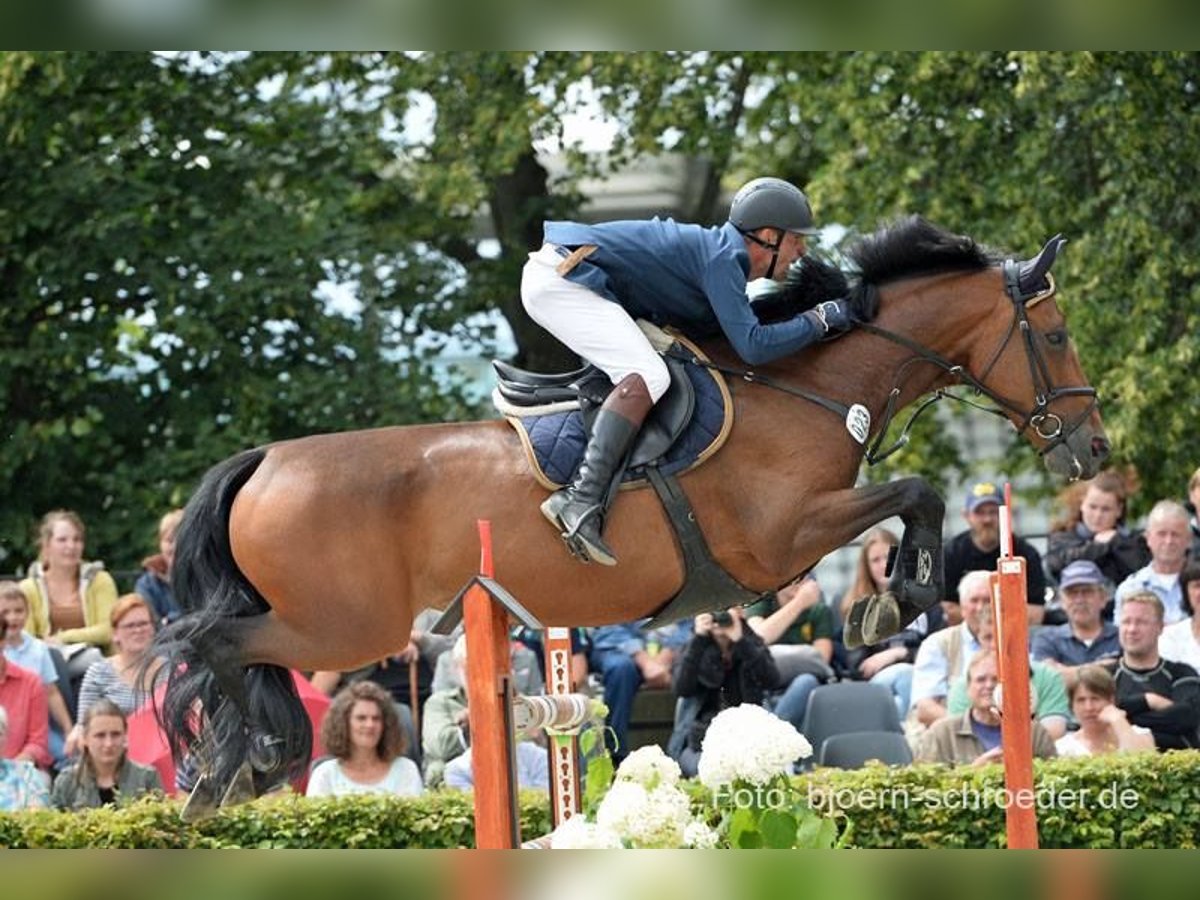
1047,425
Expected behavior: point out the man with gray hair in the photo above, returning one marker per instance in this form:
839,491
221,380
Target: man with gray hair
1168,536
1085,638
943,655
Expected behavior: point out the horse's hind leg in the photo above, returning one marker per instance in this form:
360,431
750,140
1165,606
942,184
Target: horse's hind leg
917,581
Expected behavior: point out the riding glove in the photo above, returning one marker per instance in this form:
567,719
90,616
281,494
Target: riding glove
832,318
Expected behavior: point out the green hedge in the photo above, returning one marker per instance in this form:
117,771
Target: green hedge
1145,800
1161,809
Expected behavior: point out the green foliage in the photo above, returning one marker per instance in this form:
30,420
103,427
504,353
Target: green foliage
170,225
439,820
1134,801
1139,800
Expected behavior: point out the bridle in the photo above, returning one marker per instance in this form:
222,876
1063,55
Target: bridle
1047,425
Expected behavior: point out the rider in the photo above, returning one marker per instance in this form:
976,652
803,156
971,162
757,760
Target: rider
588,283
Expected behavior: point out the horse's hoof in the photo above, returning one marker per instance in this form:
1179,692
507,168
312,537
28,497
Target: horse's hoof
881,619
241,789
201,802
852,636
263,754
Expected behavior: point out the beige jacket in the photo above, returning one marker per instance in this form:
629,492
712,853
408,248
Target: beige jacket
952,741
99,593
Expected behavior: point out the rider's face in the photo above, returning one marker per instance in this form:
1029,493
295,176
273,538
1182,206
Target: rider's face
791,248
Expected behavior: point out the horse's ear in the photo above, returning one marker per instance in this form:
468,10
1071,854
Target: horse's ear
1033,271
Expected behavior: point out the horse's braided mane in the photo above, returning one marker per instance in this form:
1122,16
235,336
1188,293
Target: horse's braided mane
901,249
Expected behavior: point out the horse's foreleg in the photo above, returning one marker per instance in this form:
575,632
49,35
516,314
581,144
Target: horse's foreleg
916,580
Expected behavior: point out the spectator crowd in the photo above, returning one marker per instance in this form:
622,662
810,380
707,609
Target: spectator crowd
1114,654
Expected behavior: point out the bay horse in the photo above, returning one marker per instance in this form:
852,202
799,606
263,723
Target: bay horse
316,553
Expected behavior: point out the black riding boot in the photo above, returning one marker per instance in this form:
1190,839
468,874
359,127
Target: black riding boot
578,509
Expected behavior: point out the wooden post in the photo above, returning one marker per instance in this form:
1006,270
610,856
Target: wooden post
489,705
1016,726
563,747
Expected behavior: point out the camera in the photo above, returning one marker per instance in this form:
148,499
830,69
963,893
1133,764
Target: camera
724,618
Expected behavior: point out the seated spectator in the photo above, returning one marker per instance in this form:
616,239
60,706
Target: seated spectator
1167,536
1155,693
1103,726
104,775
445,729
533,768
1095,531
154,584
627,658
24,698
21,785
724,664
1181,642
1085,638
69,599
124,678
33,655
943,655
973,738
797,627
362,732
890,662
978,549
1047,692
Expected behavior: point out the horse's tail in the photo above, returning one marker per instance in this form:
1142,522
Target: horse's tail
215,705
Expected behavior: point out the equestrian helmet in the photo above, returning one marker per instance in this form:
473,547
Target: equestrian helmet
771,203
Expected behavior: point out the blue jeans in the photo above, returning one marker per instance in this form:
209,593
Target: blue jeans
792,704
897,678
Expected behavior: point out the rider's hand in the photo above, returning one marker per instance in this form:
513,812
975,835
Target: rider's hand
832,318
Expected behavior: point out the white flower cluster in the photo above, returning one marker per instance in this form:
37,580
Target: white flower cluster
579,834
645,807
747,743
649,767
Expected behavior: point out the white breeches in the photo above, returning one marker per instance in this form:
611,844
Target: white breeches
594,327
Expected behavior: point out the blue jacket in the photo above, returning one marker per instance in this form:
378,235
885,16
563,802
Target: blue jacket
688,276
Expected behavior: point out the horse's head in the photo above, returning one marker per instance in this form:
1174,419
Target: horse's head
1034,372
995,327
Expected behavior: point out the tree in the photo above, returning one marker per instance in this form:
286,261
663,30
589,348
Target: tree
203,252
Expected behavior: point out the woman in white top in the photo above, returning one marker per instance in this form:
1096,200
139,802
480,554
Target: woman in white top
362,733
1181,641
1103,727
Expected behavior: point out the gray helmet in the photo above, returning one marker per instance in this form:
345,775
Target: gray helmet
771,203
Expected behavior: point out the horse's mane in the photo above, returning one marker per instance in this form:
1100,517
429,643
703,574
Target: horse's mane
901,249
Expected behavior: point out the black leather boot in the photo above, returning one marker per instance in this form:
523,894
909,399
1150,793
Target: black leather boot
578,509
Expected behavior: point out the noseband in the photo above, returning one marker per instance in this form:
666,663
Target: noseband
1047,425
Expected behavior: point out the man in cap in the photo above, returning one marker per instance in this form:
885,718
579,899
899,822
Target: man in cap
1085,637
588,283
979,548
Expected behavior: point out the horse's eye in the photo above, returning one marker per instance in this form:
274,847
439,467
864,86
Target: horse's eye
1057,338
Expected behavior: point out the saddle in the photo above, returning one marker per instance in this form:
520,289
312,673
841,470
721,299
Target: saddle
553,415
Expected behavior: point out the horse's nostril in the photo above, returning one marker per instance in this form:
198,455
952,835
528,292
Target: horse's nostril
1100,447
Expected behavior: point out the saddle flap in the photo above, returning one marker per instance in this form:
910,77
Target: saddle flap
667,419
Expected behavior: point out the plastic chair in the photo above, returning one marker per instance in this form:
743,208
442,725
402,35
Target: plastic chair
854,748
849,706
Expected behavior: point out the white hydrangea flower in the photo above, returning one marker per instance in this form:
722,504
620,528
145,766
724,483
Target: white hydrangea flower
700,837
579,834
649,766
655,818
748,743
